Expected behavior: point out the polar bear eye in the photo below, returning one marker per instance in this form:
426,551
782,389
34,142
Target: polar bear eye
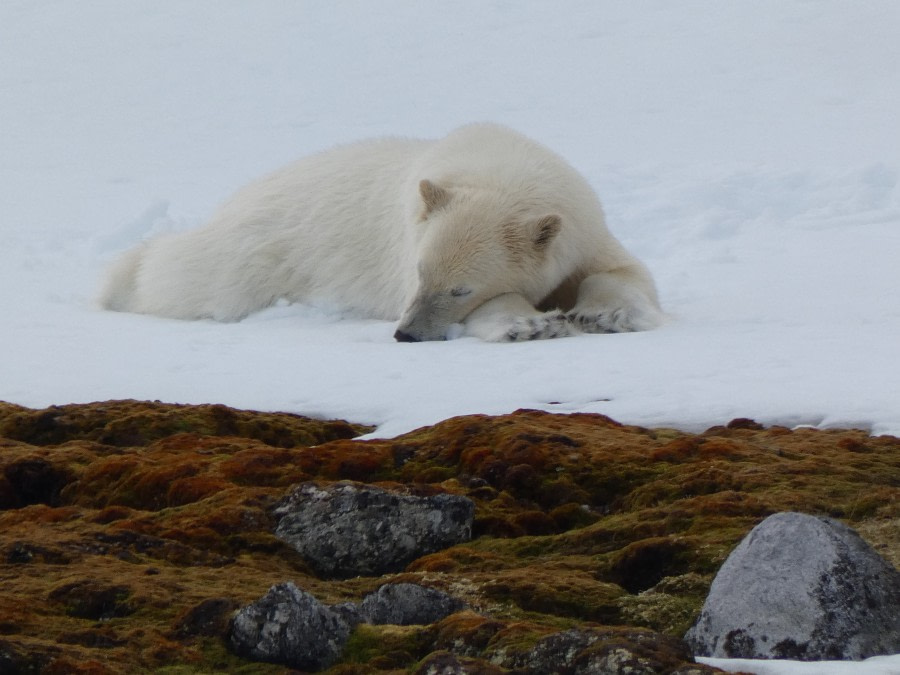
460,292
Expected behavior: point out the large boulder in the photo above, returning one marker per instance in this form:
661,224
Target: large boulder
290,627
347,529
801,587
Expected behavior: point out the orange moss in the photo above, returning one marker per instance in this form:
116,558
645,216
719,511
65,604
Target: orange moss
573,514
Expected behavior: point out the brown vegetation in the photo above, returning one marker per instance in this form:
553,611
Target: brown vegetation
130,531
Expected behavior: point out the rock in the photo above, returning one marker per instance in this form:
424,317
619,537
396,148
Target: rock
349,612
604,652
407,604
445,663
347,529
290,627
801,587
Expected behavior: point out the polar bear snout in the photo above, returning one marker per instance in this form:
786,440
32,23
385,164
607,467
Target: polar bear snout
436,315
421,329
400,336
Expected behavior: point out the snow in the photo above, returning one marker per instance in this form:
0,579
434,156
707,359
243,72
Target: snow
876,665
748,152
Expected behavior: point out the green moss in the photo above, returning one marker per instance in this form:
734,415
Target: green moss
388,647
551,591
213,656
670,607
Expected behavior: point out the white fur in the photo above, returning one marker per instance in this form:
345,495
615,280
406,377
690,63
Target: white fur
481,228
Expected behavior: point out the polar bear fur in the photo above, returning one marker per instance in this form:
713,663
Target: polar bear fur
484,228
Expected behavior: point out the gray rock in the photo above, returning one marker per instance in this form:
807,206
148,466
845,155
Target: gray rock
445,663
801,587
603,652
407,604
289,626
347,529
349,612
557,652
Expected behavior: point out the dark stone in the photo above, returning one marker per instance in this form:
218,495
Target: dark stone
407,604
289,626
347,529
349,612
801,587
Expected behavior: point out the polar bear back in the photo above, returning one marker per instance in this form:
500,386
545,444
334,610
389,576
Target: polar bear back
316,231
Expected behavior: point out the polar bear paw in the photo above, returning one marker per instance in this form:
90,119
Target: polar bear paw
615,319
539,327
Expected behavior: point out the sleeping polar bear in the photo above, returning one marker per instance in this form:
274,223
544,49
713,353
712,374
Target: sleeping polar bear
484,233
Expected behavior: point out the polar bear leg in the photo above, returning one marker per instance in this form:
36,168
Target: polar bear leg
511,318
619,301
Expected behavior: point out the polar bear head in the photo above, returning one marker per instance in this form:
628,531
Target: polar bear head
475,243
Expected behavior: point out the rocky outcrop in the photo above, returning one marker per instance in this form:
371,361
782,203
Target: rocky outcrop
801,587
130,532
290,627
605,652
345,529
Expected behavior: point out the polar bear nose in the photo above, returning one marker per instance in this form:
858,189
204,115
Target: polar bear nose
400,336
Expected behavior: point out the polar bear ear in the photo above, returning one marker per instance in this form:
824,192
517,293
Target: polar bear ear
545,230
433,195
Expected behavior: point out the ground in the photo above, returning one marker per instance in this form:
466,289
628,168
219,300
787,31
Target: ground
134,529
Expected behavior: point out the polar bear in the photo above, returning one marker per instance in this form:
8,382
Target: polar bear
483,233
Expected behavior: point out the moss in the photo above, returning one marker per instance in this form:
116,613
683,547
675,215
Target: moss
643,564
86,599
549,590
670,607
388,647
515,638
138,423
579,520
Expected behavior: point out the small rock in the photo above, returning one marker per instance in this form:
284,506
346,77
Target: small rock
445,663
290,627
407,604
557,652
801,587
347,529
